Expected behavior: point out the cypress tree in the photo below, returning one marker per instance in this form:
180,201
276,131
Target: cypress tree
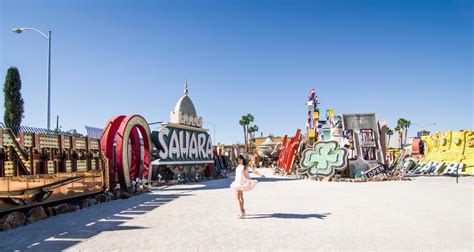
13,100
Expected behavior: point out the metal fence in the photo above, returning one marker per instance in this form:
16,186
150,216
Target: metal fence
36,130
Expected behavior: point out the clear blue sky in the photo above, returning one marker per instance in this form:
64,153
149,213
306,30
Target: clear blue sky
410,59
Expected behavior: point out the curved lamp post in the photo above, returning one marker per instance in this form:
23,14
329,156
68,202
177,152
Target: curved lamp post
424,125
213,129
20,30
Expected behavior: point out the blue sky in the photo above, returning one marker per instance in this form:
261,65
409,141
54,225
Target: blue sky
410,59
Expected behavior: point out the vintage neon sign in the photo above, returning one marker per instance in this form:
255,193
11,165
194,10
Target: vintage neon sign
324,158
124,130
182,146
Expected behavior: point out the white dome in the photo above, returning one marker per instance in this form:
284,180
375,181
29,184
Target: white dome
185,106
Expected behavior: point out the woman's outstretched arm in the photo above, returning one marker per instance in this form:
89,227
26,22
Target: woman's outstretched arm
254,170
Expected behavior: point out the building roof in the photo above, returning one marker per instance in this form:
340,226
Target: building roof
93,132
268,141
184,104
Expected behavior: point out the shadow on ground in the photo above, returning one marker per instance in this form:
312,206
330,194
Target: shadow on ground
274,179
63,231
287,216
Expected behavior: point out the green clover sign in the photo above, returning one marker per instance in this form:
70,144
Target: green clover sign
323,159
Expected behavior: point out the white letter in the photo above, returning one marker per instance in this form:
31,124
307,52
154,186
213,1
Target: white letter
193,152
209,152
163,146
174,146
202,145
184,143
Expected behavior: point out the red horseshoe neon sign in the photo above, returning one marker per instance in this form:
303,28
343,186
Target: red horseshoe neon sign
123,129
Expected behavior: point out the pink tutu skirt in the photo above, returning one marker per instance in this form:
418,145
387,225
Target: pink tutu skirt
245,185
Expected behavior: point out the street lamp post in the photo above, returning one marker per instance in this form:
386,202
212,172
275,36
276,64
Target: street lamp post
213,129
20,30
153,123
423,126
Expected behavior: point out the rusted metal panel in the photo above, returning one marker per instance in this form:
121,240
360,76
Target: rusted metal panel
81,165
94,144
8,168
48,141
50,169
80,143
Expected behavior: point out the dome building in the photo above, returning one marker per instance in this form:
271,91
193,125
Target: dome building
185,112
182,145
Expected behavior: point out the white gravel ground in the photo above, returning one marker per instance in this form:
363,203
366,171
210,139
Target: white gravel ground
428,213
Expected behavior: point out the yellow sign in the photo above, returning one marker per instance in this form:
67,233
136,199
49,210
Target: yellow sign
331,113
311,133
316,115
451,147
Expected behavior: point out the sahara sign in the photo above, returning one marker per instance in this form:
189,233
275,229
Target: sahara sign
178,145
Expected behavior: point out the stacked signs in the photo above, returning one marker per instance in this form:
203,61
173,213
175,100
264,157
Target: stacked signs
183,146
221,163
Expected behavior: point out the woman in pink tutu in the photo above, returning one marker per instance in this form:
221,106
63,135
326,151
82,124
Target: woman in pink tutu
242,183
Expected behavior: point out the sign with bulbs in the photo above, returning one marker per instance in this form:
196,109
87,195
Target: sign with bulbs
177,145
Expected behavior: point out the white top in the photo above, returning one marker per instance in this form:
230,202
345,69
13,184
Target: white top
241,175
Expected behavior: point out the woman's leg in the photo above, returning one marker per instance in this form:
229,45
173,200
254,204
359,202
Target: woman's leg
242,208
237,194
241,205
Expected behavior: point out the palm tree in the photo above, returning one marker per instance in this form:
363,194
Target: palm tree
407,125
245,122
389,134
399,131
403,125
250,118
252,130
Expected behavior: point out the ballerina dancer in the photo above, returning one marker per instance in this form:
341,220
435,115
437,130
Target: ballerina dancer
242,183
